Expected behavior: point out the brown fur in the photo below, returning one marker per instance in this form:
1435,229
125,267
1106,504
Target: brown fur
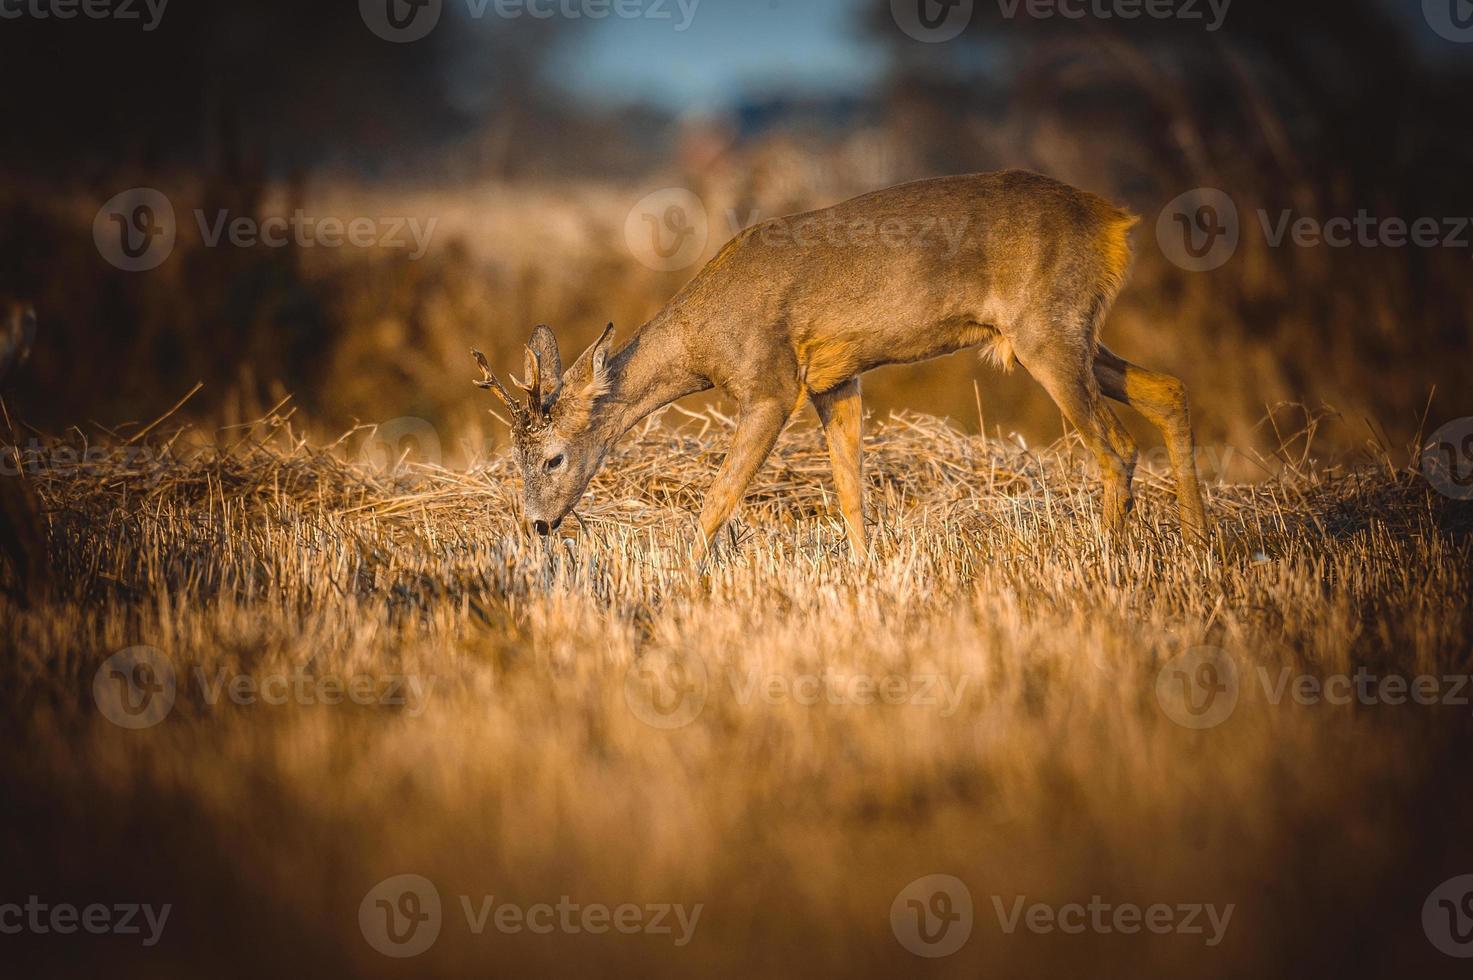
1021,266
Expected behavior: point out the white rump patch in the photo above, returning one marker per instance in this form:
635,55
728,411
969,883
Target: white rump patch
997,350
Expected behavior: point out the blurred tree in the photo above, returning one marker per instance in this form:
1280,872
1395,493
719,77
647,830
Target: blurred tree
1321,91
214,103
215,83
1321,108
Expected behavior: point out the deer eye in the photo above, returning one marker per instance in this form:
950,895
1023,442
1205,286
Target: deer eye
555,463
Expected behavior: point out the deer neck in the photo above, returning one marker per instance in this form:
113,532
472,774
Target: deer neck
650,372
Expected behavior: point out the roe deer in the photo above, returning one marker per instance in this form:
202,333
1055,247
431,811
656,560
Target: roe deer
799,307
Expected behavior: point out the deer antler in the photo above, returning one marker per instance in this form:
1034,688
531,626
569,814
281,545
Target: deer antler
532,368
488,380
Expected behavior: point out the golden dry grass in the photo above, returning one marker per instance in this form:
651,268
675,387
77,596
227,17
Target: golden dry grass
527,771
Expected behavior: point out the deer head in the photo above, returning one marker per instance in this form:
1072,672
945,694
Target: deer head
559,432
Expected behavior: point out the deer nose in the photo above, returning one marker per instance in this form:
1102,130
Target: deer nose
542,527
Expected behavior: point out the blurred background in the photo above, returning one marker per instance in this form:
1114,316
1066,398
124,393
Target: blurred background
501,154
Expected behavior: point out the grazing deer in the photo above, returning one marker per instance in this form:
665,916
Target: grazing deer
800,307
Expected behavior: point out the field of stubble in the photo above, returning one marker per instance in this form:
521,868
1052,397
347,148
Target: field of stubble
331,675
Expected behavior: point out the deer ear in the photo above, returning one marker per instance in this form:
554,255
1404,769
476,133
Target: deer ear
601,353
543,368
592,365
544,345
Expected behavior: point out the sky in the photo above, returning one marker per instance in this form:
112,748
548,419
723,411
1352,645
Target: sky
702,55
727,48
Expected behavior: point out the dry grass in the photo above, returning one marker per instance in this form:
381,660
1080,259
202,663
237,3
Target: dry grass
527,772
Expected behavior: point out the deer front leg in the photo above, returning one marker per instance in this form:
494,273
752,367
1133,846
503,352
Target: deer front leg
756,433
841,413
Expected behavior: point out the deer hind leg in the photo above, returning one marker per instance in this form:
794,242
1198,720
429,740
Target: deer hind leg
1070,383
841,413
757,430
1162,399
